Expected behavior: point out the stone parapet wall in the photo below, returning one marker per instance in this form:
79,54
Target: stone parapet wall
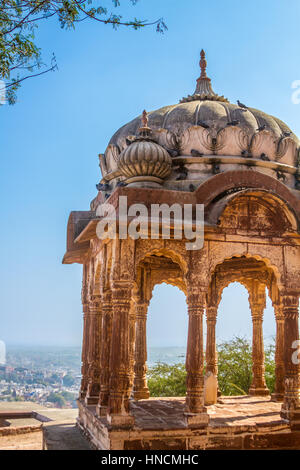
15,430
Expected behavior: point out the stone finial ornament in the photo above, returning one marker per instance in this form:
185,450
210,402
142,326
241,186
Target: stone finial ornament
145,130
145,118
144,162
203,64
204,89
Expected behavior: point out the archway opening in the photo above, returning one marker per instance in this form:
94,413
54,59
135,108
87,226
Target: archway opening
234,316
246,364
234,341
234,338
167,326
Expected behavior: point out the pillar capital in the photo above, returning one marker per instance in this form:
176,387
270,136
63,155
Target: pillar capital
290,302
279,315
122,291
141,310
95,305
257,314
196,300
211,313
85,308
121,284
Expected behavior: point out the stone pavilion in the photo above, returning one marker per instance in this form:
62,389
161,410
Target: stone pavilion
243,166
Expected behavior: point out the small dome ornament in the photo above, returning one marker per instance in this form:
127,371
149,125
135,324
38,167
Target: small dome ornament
145,163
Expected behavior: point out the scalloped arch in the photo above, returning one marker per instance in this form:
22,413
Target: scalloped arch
271,266
176,257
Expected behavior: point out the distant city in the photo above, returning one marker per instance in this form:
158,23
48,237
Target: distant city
48,376
51,376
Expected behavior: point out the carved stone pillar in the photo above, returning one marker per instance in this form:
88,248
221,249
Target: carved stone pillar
119,384
132,345
211,349
84,353
140,389
93,389
279,354
257,301
195,409
291,404
107,316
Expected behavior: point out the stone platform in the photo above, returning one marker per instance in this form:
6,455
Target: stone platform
242,422
30,426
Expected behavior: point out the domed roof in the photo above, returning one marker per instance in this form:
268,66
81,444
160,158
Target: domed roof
213,114
207,109
206,134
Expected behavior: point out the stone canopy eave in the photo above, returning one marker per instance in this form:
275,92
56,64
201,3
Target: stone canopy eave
82,224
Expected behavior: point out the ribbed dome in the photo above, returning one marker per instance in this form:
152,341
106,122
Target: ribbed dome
215,114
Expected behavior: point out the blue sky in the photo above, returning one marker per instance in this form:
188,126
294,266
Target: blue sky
50,140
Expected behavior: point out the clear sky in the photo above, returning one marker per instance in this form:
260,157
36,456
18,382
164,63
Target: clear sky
50,140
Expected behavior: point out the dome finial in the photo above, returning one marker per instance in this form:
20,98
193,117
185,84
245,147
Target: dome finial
204,89
144,119
145,130
203,64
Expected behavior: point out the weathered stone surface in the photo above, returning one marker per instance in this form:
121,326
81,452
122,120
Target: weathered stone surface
237,423
156,444
286,440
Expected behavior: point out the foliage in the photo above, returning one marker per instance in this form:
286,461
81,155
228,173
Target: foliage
68,380
57,399
69,396
234,371
166,380
20,57
270,367
235,367
54,379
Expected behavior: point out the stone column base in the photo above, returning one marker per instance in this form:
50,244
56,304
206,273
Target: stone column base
91,400
259,392
120,421
101,411
277,397
197,420
292,416
143,394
